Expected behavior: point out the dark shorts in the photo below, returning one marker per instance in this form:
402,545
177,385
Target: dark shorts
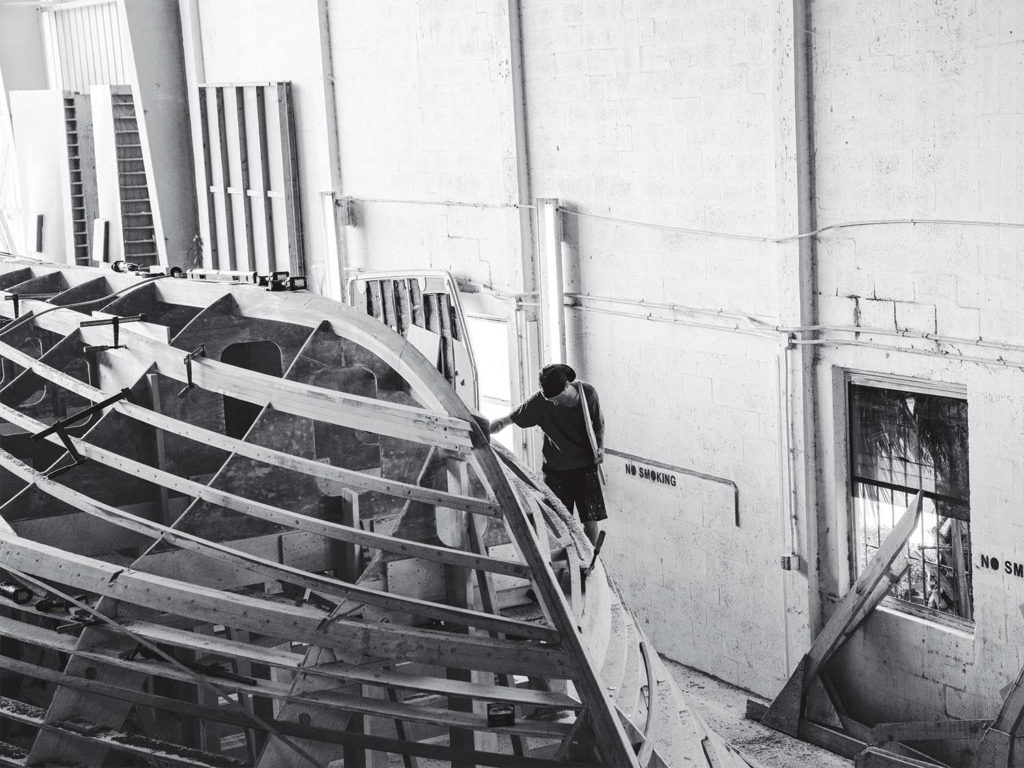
579,488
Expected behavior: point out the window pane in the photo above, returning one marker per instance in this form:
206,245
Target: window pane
901,442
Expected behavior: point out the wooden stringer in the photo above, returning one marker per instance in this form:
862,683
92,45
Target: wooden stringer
787,711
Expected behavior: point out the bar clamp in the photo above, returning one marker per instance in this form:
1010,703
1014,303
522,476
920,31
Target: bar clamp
199,351
17,298
115,322
60,428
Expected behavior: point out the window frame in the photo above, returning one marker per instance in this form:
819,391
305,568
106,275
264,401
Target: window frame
844,458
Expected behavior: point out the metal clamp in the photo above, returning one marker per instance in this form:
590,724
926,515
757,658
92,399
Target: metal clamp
60,429
114,321
18,297
199,351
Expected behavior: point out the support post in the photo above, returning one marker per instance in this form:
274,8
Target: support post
549,280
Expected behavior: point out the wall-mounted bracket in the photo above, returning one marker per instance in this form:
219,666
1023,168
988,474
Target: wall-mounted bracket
115,322
347,209
199,351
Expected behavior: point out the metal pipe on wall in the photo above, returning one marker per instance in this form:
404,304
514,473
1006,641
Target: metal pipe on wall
801,396
524,349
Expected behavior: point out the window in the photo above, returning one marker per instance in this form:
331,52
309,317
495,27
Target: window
902,441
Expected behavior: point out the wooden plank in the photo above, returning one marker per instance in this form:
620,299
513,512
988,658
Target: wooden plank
222,175
873,757
960,568
349,477
390,304
210,253
281,516
416,303
320,700
428,751
290,172
296,623
204,644
610,736
135,744
266,253
245,255
934,730
489,600
855,600
404,304
433,312
375,295
305,400
159,447
651,726
262,567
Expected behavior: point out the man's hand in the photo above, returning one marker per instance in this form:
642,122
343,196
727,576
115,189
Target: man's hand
483,422
599,458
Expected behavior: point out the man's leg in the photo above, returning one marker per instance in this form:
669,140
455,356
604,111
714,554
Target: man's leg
591,503
563,489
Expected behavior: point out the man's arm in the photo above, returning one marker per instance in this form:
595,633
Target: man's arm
499,424
597,418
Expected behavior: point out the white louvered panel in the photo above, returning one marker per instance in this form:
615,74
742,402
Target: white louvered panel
86,45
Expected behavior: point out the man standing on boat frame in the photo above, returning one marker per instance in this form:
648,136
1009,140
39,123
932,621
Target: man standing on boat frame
569,413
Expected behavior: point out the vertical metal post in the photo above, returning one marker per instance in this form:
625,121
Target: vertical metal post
549,281
195,75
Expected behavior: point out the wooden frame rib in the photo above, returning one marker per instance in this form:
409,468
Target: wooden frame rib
397,420
264,568
277,515
288,622
351,478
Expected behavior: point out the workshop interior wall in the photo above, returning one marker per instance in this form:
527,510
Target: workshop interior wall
913,119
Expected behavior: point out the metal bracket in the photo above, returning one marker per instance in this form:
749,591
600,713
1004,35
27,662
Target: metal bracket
112,321
199,351
18,297
60,429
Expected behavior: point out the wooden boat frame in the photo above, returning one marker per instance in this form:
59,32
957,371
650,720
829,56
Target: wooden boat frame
125,568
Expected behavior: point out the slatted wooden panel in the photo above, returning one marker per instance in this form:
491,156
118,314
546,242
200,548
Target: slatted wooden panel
400,303
85,45
251,178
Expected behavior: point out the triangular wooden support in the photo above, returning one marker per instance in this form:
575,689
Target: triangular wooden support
1002,744
786,712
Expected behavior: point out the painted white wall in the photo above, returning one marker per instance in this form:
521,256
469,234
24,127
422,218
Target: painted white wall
665,113
917,116
108,196
162,106
260,41
422,100
659,113
22,67
38,119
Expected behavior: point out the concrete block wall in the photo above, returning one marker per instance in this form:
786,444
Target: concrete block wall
423,100
663,112
917,115
660,112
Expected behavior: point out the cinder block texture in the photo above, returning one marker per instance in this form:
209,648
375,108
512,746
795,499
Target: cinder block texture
918,115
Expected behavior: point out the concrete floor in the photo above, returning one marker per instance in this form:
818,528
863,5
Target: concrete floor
722,707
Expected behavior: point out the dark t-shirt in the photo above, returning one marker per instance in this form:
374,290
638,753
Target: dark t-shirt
566,445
